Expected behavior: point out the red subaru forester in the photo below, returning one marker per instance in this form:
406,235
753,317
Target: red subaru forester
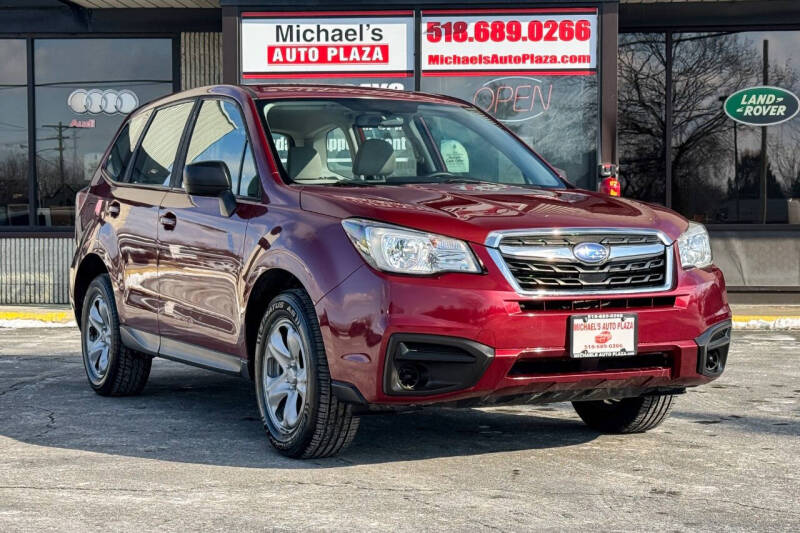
354,250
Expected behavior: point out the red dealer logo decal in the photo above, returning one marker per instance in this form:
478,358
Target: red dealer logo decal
602,337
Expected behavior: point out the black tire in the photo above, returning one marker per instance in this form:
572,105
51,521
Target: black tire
628,415
324,426
126,370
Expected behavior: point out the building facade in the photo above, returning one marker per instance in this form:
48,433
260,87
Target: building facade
638,84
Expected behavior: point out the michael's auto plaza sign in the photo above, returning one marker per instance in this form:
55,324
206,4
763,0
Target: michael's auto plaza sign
327,44
375,45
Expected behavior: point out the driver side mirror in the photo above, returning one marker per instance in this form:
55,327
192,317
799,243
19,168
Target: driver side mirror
210,178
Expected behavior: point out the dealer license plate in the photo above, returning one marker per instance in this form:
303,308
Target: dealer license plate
603,335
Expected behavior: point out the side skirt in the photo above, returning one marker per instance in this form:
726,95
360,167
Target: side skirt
181,352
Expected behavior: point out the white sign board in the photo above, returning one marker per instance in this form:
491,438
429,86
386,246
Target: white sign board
603,335
297,45
509,40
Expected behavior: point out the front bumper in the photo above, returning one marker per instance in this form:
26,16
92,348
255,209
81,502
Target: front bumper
363,318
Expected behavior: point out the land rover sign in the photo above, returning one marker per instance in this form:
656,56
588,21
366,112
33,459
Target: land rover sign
762,106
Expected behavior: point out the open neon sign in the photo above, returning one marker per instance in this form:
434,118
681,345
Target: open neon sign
514,98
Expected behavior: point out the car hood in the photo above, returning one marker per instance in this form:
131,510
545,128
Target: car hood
470,211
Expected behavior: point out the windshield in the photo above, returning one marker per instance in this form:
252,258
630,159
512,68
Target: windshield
372,141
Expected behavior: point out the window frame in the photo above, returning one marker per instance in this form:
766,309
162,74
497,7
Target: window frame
184,147
34,229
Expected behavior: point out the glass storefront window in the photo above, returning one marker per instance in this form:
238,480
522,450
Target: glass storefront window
84,88
716,163
13,134
642,83
556,115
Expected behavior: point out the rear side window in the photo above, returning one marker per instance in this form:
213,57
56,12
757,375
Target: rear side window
220,135
124,146
156,157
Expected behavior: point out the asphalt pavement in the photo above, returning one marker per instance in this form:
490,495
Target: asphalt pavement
190,454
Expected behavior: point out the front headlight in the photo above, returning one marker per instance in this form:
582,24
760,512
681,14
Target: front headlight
694,247
406,251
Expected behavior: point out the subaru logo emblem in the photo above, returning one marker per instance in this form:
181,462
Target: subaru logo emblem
590,252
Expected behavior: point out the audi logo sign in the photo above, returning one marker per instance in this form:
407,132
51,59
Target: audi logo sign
96,101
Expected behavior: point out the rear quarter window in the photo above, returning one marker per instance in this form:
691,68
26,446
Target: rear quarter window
124,145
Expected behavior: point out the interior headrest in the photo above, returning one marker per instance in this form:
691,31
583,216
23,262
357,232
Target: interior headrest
303,162
374,158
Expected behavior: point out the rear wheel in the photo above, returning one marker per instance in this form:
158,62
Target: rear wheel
627,415
112,368
301,415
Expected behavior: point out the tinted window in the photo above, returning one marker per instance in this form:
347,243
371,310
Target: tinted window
84,89
719,172
219,135
14,197
156,156
119,60
123,148
642,78
718,167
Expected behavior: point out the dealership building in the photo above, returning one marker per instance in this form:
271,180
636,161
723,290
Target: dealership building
658,89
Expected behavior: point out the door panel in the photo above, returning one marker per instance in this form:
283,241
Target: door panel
134,208
199,269
200,262
133,213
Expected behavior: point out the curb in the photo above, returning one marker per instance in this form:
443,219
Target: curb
40,316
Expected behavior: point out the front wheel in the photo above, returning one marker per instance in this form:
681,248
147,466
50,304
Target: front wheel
301,415
627,415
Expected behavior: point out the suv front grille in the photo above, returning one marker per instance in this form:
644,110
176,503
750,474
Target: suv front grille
545,264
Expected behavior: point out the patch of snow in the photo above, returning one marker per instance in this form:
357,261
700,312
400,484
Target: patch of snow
779,323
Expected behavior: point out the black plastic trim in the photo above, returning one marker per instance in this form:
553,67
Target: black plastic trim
459,364
717,339
347,392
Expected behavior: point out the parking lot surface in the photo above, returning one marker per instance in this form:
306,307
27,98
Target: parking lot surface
190,454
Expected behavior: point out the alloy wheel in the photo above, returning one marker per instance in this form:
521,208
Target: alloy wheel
97,340
285,377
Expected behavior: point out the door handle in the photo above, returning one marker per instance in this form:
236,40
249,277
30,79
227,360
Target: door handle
113,209
168,220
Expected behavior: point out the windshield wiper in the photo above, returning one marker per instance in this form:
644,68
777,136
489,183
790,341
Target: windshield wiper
466,180
450,177
352,183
